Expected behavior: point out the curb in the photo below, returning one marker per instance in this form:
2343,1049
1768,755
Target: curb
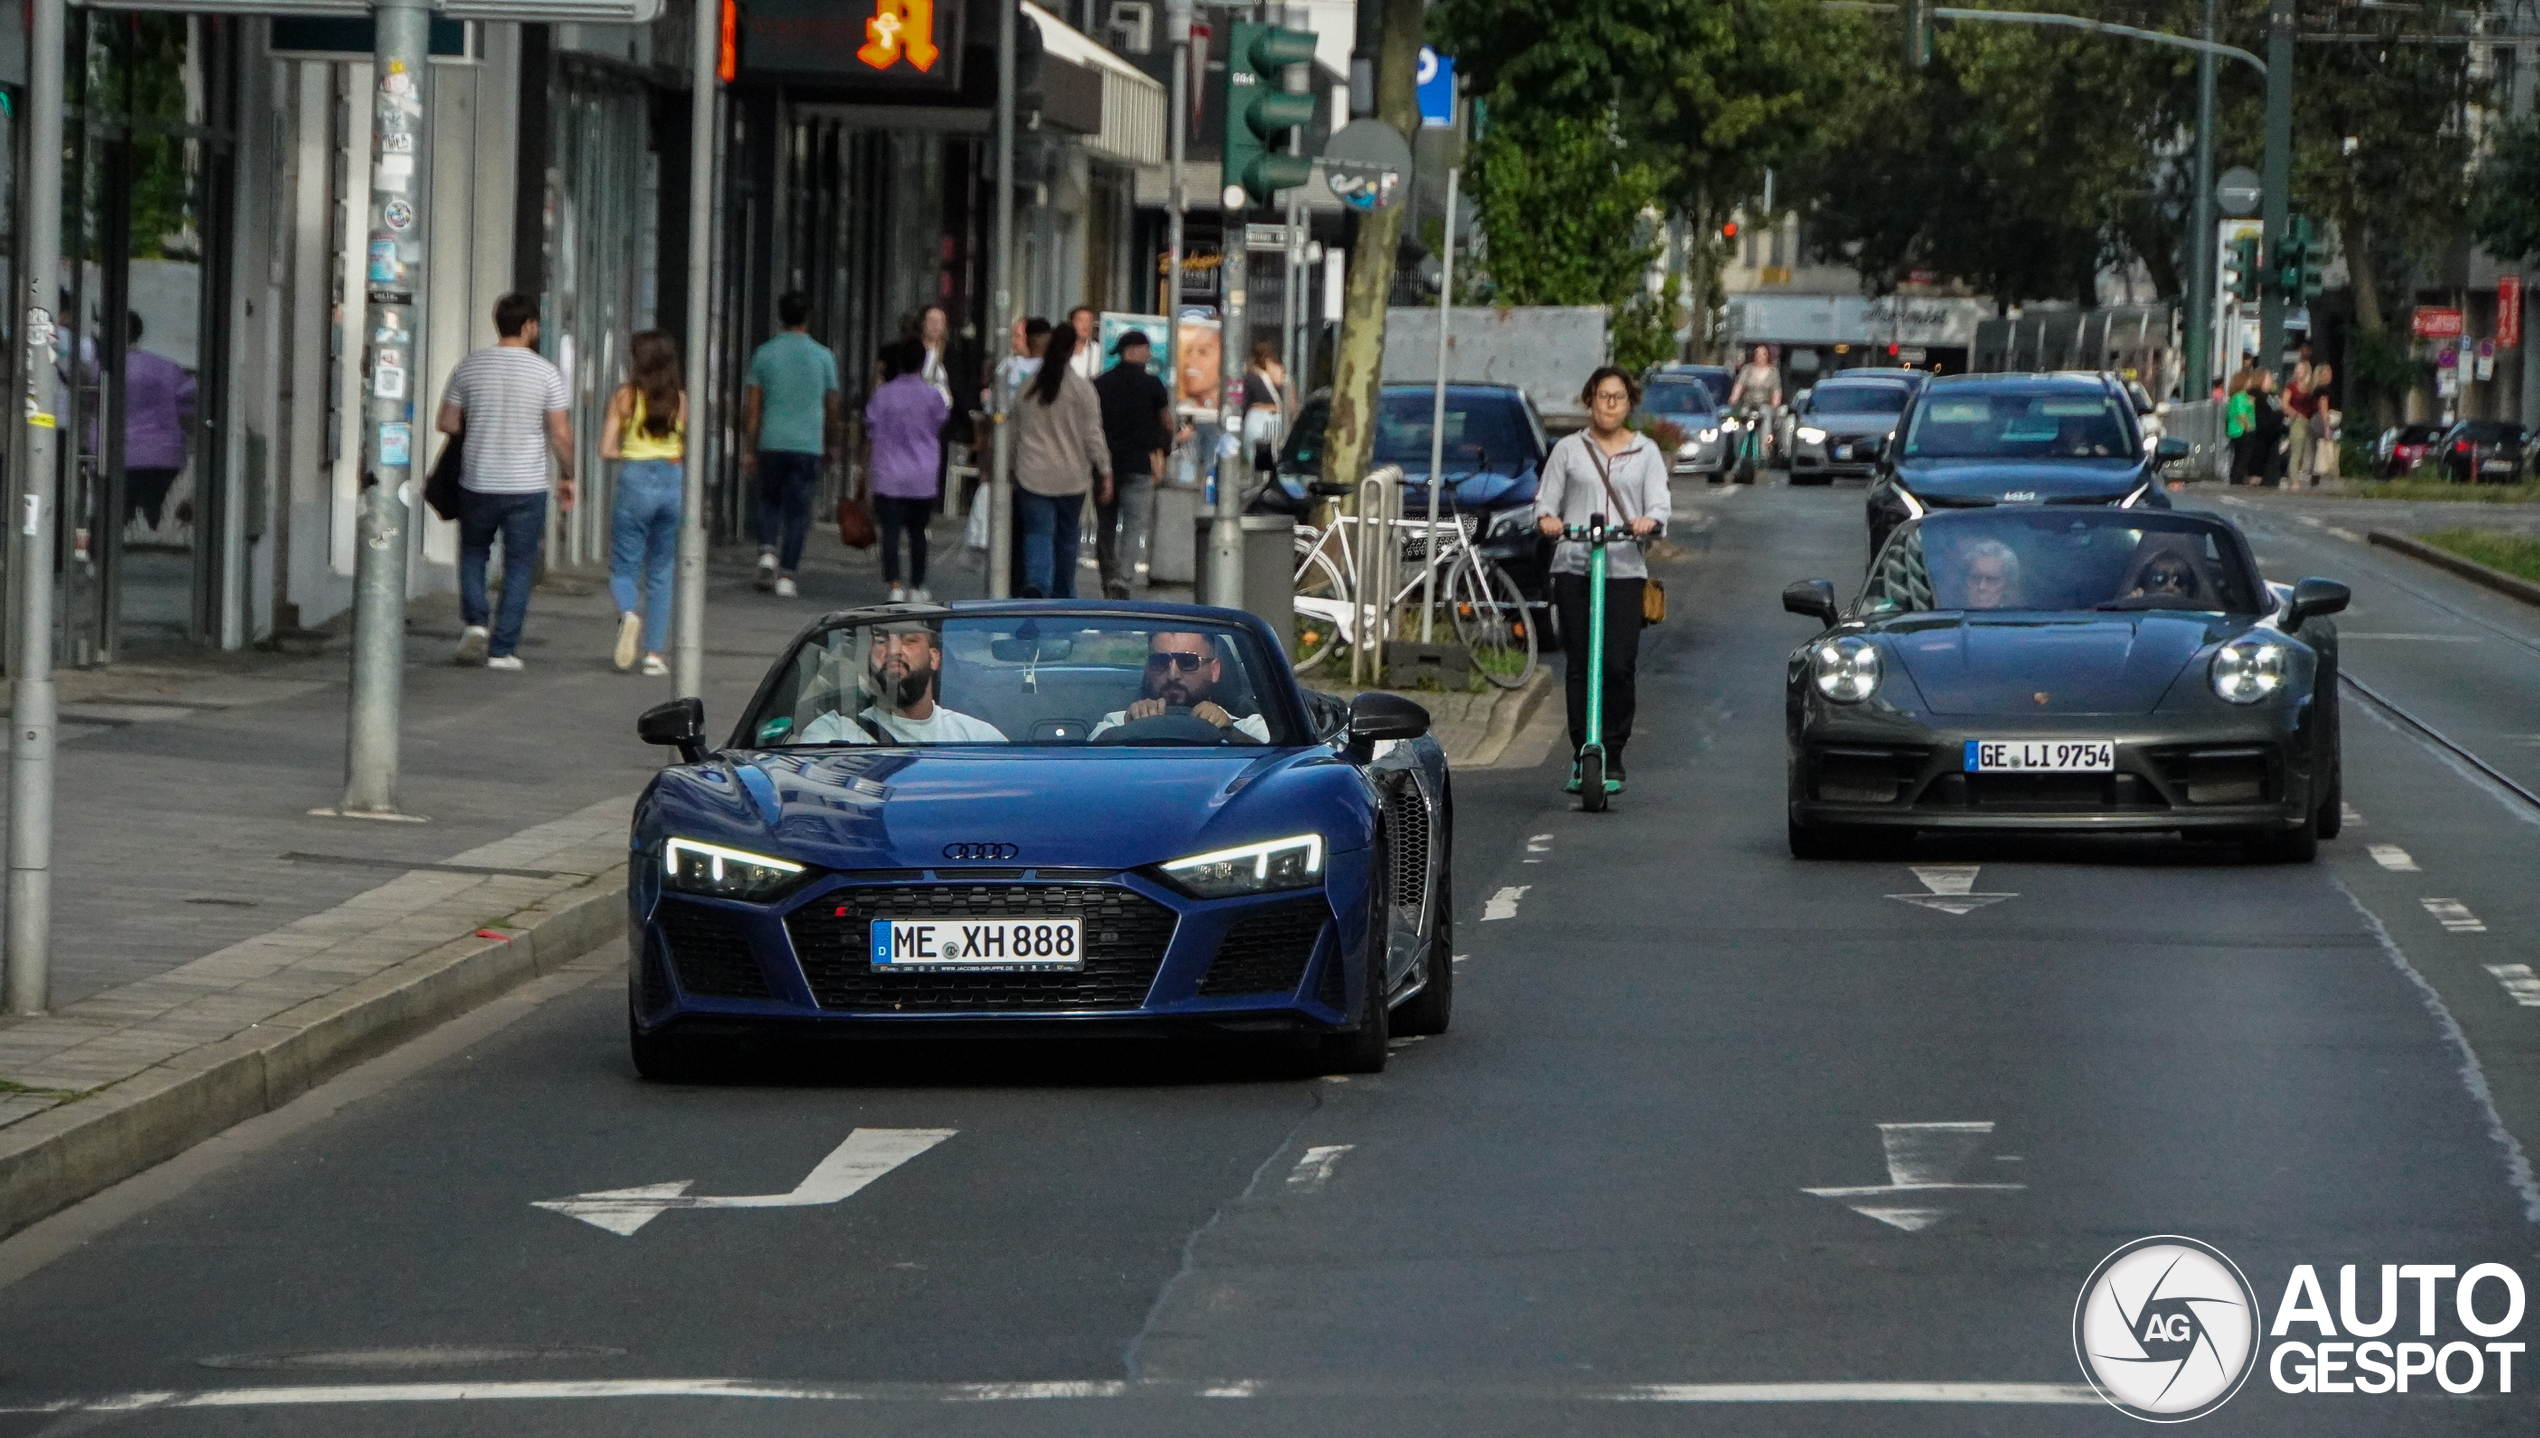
59,1157
2509,585
1508,714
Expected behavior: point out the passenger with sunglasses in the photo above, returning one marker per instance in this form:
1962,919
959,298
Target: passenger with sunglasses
1182,671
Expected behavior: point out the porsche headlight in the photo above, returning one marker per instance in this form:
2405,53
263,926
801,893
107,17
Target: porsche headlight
694,867
1295,862
1847,669
2248,670
1810,434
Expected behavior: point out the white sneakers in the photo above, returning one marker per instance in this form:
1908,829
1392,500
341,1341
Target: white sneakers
920,595
899,594
472,641
766,569
785,587
506,662
654,668
630,638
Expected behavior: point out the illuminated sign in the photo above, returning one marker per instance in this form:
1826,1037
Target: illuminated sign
856,45
900,30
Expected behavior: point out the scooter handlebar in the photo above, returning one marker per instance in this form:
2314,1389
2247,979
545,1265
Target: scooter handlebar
1597,531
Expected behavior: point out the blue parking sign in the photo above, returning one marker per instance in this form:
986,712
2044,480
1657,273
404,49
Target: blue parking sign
1437,88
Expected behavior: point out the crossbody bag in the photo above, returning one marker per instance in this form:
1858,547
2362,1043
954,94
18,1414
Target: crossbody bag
1653,593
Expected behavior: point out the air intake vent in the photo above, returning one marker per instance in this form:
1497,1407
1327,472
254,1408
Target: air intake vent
710,953
1267,950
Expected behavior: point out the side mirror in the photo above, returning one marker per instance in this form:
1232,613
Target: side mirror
1376,715
2171,450
2313,598
1814,598
680,724
1799,401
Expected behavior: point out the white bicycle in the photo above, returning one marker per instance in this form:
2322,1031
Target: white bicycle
1491,617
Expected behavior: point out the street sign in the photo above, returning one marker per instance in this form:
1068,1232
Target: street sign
2509,312
2432,323
2486,369
1437,88
2239,192
1368,165
1273,238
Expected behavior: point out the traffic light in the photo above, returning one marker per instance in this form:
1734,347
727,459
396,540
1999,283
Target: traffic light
1260,110
2240,268
1728,231
2297,261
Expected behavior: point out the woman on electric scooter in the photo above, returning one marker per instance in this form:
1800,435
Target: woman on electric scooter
1610,470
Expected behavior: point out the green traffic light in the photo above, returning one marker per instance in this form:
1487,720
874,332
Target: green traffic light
1260,110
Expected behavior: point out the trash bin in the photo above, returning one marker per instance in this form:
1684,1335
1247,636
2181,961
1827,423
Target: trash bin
1169,559
1269,570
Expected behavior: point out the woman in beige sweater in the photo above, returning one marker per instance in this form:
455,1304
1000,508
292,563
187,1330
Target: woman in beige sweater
1058,448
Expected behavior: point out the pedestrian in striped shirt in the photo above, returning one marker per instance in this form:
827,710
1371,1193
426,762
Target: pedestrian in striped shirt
510,404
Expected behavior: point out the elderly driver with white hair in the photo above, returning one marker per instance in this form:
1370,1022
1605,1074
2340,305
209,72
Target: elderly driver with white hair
1989,575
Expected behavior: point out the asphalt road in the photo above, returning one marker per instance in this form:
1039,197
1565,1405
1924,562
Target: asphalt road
1583,1211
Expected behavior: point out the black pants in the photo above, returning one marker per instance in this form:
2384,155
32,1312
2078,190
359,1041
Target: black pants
895,514
1622,655
145,492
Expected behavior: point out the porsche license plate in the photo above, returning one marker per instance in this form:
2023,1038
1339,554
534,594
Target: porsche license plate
979,945
2036,756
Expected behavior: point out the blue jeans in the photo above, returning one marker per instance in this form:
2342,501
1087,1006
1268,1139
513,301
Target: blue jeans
644,543
521,519
785,480
1049,526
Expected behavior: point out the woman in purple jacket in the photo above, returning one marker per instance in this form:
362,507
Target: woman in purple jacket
903,427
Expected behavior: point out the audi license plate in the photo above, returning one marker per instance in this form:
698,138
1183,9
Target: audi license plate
2035,756
1022,946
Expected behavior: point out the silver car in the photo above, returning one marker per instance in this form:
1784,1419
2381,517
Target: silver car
1839,427
1687,403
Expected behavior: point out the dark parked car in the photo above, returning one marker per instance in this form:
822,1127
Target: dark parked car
2034,668
1979,440
2485,451
2402,448
1690,404
1838,427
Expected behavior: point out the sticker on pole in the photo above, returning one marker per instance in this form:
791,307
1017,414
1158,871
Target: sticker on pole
396,444
1368,165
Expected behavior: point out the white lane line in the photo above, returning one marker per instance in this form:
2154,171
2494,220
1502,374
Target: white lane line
2313,520
2393,858
1923,1161
2519,982
2454,915
2349,814
1459,958
1503,905
1537,844
2420,638
867,1154
2350,536
1315,1169
760,1390
1951,889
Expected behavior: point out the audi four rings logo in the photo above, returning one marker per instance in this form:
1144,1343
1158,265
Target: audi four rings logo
982,851
2166,1329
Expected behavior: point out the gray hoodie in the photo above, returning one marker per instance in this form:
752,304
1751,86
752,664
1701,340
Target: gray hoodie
1572,492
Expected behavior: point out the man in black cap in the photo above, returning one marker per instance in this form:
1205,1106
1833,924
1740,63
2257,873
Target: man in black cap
1137,416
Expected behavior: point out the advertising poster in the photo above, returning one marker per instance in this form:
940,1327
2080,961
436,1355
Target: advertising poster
1197,366
1111,325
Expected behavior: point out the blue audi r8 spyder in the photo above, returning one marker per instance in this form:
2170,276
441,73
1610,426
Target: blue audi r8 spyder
1014,818
2033,667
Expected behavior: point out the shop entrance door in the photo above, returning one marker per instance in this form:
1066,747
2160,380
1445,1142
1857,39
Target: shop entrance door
149,140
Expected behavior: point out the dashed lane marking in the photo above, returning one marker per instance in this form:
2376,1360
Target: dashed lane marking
2520,983
1538,844
2349,814
2393,858
2416,638
2313,520
1315,1169
2454,915
2350,536
1503,905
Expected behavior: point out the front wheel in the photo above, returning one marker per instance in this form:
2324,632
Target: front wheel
1427,1011
1592,795
1492,621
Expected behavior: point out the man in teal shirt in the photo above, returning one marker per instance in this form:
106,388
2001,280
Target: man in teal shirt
790,416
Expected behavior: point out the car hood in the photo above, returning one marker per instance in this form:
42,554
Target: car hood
1469,491
1981,480
1107,808
2050,663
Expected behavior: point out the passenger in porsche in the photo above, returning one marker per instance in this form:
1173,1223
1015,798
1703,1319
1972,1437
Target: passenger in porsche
903,664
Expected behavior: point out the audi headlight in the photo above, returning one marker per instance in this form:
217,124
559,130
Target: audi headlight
2248,670
1291,863
1847,669
1810,434
693,867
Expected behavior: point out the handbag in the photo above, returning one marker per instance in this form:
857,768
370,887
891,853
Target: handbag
441,486
1653,590
855,523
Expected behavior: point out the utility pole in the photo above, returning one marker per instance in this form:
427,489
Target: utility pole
2199,375
688,633
2276,175
1001,289
1226,528
1177,26
30,919
1437,401
392,269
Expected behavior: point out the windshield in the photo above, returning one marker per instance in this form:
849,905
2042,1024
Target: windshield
2018,424
1050,680
2063,559
1483,431
2488,431
1857,399
1677,396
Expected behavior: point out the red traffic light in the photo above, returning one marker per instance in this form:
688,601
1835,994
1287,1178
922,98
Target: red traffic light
1891,351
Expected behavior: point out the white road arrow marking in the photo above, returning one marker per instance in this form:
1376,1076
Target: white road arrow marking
1315,1169
867,1154
1503,905
1923,1160
1951,887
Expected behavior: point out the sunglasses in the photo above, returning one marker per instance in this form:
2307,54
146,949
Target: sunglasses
1187,663
2169,578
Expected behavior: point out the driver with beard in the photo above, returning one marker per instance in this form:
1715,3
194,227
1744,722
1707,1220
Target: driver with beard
1182,673
903,662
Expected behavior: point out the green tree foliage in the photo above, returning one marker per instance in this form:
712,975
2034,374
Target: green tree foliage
2505,212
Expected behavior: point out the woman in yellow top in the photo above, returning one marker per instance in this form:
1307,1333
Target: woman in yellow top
647,428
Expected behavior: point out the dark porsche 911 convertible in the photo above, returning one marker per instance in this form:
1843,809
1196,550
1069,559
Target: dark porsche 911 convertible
2043,667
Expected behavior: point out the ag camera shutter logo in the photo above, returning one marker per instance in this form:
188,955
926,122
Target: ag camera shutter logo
2166,1329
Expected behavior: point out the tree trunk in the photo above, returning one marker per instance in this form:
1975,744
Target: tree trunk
2370,320
1358,360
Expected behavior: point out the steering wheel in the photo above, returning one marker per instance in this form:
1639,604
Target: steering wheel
1176,725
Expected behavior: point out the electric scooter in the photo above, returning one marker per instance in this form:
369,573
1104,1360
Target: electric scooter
1596,534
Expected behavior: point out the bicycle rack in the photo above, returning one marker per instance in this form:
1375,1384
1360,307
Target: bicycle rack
1379,518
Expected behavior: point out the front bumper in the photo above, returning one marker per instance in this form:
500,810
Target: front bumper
1156,961
2219,779
1837,456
